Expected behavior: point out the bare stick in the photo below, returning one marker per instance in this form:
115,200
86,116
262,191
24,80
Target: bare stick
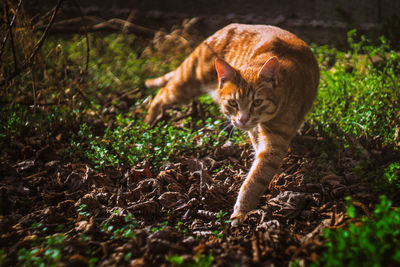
81,79
34,92
11,39
9,28
87,40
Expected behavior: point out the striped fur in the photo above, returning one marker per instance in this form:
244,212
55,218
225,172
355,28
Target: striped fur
160,81
266,80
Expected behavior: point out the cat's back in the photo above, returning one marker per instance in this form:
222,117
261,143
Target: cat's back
260,32
238,43
255,37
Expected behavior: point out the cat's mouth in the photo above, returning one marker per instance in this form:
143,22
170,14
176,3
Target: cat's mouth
245,127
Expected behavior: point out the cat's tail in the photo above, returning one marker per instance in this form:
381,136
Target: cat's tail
160,81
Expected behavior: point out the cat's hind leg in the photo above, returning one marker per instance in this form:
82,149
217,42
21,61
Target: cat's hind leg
164,99
179,90
190,80
174,93
160,81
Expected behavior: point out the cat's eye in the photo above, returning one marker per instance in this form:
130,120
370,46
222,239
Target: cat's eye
257,102
232,103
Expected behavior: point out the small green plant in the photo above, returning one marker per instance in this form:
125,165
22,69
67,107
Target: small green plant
48,254
392,174
30,257
157,229
175,259
37,227
128,256
221,215
372,242
82,210
180,227
84,238
221,224
93,261
3,257
54,247
127,231
202,260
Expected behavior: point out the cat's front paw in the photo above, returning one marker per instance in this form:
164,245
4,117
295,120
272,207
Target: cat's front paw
235,222
237,217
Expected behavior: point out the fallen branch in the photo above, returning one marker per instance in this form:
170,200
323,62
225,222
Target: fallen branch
97,25
88,20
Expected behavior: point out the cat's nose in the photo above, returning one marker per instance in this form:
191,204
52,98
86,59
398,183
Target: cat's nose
243,119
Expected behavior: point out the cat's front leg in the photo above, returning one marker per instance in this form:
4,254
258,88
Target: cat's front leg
266,164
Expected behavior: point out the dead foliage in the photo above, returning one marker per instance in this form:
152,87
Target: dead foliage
179,210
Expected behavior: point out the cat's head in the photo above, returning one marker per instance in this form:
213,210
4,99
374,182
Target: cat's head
248,97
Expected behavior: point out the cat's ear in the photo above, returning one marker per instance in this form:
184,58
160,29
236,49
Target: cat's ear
269,70
225,72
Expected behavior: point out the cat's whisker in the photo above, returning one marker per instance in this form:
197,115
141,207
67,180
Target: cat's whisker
229,124
232,132
225,122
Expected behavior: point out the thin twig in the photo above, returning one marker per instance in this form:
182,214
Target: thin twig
87,40
34,175
28,61
119,97
9,28
364,208
81,79
11,39
34,92
44,35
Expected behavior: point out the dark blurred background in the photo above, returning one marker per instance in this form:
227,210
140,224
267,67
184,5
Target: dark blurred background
318,21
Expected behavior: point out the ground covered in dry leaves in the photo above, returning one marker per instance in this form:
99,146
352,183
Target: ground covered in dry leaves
147,217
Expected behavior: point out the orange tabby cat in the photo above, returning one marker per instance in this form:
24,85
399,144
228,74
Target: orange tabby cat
267,82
